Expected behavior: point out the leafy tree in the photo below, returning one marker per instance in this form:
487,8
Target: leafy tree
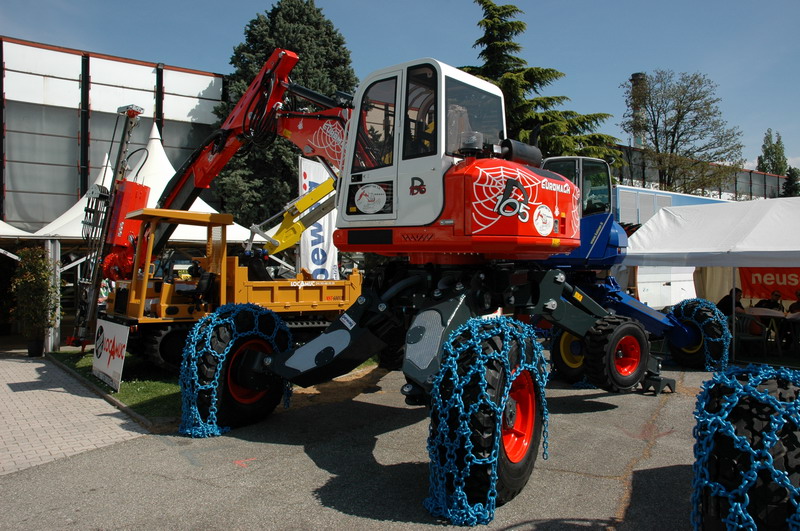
531,116
791,186
684,135
773,157
261,180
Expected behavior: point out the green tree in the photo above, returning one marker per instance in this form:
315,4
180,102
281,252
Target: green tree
773,157
683,134
261,180
791,186
36,296
531,116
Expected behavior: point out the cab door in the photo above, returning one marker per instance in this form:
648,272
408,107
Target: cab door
370,187
420,193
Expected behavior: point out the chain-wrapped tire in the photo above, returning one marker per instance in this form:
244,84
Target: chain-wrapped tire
617,352
487,413
747,450
567,355
711,327
214,397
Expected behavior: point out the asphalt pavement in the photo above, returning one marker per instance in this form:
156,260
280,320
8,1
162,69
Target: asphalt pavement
347,455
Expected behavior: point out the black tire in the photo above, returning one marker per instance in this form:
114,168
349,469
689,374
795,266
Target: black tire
163,345
617,351
734,409
567,354
520,429
711,325
220,344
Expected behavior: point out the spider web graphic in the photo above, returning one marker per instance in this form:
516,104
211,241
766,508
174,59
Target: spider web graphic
330,139
489,187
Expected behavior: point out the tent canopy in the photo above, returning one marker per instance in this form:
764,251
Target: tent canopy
154,170
10,231
741,234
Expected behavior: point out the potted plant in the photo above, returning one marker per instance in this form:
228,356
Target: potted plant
36,297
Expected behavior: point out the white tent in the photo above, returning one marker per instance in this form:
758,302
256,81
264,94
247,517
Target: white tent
742,234
155,170
10,231
69,225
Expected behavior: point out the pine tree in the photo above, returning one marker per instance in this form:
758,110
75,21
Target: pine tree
261,180
791,187
532,117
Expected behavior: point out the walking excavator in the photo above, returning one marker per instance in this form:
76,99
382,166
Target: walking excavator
475,237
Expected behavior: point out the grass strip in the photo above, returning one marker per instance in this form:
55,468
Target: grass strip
149,391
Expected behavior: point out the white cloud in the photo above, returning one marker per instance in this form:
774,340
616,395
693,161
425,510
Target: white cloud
750,164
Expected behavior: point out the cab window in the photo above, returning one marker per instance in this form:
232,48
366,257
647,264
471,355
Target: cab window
567,168
471,109
596,182
375,137
419,135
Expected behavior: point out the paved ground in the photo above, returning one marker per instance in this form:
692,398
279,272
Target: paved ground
617,461
46,414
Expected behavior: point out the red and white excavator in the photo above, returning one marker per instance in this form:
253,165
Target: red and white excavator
465,218
466,221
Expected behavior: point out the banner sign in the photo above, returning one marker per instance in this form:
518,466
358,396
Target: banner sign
760,282
110,343
317,252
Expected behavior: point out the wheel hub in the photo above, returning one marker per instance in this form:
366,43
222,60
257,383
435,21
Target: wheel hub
519,416
510,414
627,355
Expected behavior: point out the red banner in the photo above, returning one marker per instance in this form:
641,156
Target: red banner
760,282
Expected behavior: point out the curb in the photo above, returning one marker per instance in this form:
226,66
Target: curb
152,427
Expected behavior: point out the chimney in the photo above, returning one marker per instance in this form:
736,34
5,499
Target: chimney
638,88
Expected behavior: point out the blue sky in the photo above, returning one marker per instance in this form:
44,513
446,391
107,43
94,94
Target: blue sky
749,49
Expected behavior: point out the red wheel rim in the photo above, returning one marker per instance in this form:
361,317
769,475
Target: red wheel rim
519,417
627,355
243,395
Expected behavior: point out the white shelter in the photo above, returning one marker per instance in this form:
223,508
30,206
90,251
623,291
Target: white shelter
741,234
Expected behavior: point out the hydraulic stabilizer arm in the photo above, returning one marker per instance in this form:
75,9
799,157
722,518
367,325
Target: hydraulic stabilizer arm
547,293
349,341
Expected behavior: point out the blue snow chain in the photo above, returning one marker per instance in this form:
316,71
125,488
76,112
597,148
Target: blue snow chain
459,392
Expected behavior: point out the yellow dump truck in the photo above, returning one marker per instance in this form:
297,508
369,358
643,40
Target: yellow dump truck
160,306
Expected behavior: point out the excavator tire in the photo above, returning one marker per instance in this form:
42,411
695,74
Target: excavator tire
711,327
750,413
520,430
567,354
617,351
163,345
236,405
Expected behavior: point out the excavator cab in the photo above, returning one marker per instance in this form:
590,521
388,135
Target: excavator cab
603,241
411,123
431,176
592,176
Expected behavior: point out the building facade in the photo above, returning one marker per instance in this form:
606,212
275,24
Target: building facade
60,119
748,184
